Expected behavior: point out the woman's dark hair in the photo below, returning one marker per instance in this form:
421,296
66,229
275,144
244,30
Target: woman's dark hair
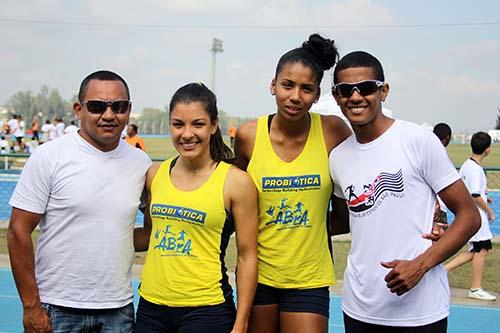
198,92
317,53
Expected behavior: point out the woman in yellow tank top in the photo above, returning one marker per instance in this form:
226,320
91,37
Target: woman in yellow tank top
195,202
286,154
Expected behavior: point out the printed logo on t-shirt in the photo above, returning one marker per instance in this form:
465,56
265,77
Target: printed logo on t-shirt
291,183
171,243
178,213
373,194
286,215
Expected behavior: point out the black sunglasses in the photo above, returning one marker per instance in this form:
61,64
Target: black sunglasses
364,88
97,106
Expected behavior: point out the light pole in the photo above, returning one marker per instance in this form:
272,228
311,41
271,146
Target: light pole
216,48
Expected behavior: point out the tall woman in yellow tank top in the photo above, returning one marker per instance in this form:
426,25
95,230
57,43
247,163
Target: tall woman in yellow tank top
196,200
286,154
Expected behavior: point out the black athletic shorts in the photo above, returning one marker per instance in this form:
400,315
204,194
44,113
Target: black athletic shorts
316,300
478,246
161,318
355,326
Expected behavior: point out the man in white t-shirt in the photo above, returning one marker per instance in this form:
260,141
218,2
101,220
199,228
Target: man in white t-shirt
71,128
53,129
13,126
46,129
60,127
83,190
386,176
479,245
20,132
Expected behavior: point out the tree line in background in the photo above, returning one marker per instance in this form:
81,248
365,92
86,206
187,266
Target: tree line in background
48,104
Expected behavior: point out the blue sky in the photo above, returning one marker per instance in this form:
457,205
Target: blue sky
441,58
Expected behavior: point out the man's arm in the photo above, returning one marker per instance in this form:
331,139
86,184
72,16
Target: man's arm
339,217
21,253
405,274
484,206
142,234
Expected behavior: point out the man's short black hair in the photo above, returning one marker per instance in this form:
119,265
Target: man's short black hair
480,142
359,59
134,127
102,75
442,131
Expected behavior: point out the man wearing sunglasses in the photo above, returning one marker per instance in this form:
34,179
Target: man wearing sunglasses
386,177
83,189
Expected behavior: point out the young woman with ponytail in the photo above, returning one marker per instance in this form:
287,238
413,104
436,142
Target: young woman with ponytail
286,154
196,201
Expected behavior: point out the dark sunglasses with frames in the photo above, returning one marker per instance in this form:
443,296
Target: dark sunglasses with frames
364,88
98,107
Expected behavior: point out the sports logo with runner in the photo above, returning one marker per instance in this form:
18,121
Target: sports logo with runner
383,183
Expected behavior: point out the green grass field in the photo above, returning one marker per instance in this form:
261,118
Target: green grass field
161,148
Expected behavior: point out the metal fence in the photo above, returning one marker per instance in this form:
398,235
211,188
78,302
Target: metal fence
11,166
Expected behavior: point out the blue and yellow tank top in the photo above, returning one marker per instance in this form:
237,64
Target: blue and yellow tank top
293,247
190,232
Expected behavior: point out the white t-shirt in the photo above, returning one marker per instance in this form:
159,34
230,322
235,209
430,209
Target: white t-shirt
13,125
60,129
70,129
45,129
19,132
52,132
474,178
390,185
88,199
4,147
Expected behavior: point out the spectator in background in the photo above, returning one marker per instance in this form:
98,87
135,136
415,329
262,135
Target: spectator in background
71,128
13,125
60,127
232,134
4,145
133,138
20,132
46,129
35,125
443,132
479,245
53,130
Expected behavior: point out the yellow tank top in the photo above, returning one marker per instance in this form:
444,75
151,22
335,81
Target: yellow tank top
293,247
185,260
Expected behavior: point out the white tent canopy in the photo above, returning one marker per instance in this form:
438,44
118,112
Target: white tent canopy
327,105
